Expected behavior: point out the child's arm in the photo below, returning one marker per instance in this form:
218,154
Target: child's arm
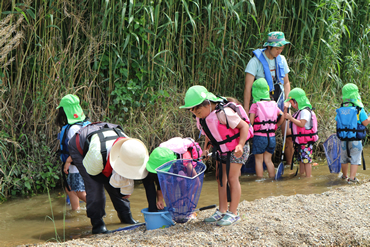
251,117
281,120
160,201
206,148
67,164
299,123
244,128
366,122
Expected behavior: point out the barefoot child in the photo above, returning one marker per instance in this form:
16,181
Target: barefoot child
264,118
351,129
228,133
304,129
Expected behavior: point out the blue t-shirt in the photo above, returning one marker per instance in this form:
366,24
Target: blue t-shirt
255,67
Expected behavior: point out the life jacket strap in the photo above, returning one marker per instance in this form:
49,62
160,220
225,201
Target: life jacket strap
265,122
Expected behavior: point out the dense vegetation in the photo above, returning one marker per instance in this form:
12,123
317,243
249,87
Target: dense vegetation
130,62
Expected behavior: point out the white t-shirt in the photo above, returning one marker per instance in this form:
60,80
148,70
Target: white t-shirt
306,115
232,117
255,67
72,131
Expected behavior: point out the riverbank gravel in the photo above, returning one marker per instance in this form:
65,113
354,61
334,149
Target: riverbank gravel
339,217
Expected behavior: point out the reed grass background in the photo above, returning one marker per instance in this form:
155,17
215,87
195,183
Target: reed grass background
130,62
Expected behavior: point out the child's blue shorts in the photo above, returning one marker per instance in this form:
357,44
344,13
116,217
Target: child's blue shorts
75,182
260,144
355,149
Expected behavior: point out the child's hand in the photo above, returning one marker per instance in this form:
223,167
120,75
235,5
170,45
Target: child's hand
238,151
160,205
205,154
126,196
288,116
66,167
160,200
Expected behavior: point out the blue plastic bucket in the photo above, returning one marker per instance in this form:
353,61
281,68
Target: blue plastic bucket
155,220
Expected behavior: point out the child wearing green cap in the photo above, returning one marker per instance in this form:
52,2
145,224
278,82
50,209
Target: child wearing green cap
303,125
172,149
154,196
226,126
264,115
70,119
351,129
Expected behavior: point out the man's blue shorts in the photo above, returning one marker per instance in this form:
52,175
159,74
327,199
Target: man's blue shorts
261,144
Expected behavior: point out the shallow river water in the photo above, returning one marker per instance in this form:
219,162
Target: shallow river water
40,219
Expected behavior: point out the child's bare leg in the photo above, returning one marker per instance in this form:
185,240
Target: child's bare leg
270,166
344,169
259,165
235,189
308,169
81,195
353,171
301,168
75,201
222,195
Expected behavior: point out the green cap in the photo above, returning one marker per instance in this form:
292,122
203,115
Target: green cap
72,108
300,96
196,95
276,39
158,157
350,94
260,90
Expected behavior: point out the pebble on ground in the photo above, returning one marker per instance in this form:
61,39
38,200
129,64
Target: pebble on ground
339,217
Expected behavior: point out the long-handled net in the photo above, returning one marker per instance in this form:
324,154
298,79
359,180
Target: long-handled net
332,152
181,183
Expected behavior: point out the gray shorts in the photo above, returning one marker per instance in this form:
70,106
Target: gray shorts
355,149
245,155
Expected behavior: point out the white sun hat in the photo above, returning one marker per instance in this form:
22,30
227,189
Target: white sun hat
128,157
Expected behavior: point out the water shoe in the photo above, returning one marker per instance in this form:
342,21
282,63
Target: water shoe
353,181
229,219
215,217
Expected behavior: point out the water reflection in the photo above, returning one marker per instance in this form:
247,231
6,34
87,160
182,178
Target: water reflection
36,220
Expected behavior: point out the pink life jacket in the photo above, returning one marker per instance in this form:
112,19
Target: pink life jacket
187,148
301,135
266,117
222,137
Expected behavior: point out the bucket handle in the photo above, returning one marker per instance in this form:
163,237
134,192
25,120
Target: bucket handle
168,219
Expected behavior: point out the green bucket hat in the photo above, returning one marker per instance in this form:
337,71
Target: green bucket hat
300,96
196,95
260,90
350,94
158,157
72,108
276,39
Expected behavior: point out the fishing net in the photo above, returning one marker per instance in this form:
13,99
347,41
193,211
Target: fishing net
332,152
181,183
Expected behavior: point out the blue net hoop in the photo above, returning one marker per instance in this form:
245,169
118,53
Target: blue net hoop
181,183
332,152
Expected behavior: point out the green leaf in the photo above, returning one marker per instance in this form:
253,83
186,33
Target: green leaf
27,184
24,14
55,27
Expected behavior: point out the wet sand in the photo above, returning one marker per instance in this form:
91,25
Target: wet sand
339,217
